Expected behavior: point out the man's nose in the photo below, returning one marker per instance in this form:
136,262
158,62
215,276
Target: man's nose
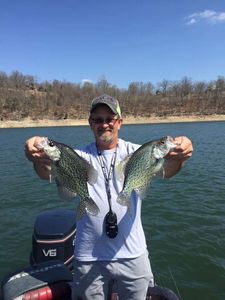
105,124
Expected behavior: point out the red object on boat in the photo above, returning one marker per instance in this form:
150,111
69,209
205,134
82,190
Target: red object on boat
60,290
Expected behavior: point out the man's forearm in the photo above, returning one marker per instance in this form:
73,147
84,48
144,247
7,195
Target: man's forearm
172,167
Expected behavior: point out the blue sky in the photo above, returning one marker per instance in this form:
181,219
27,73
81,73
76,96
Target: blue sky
123,41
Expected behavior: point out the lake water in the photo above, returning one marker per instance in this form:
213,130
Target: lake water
184,217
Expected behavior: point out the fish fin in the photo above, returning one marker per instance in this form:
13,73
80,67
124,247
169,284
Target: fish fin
119,172
120,168
64,193
161,172
81,210
91,206
50,178
123,199
92,175
87,205
142,190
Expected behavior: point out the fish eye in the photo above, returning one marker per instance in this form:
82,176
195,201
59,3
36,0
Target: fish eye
51,144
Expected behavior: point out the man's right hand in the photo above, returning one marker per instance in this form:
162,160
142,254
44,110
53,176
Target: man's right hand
31,150
42,164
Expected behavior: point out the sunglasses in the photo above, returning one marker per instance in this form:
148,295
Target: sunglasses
101,120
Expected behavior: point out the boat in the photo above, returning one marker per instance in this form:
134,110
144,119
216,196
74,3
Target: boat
49,273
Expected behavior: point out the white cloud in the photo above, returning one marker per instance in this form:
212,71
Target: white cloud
83,81
209,16
191,21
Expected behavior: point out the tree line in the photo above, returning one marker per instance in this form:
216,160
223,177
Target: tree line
22,96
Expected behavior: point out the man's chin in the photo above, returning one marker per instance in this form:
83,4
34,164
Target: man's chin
105,138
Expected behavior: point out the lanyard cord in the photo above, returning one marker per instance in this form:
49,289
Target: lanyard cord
108,176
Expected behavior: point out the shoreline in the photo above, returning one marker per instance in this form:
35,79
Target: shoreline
28,123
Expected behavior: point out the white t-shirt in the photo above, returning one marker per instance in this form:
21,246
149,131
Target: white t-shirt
92,242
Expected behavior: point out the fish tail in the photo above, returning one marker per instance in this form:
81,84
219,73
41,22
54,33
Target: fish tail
123,199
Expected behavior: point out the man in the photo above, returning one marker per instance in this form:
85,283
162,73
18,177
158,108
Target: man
111,245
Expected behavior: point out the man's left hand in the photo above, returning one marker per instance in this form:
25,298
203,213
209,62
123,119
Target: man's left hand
183,150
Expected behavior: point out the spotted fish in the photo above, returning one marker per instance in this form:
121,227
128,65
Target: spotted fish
71,173
139,168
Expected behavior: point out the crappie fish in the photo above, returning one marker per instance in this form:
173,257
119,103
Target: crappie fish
139,168
71,173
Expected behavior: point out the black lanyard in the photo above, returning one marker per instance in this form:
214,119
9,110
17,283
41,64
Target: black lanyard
108,176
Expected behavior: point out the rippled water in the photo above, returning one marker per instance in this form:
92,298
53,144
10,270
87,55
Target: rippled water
184,217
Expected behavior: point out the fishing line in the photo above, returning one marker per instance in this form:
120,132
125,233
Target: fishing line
174,282
172,277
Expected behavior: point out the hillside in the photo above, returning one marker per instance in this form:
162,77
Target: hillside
23,98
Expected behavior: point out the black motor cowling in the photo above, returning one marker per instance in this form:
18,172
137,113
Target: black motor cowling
54,237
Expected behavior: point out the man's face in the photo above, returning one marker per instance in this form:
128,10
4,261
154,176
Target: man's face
105,124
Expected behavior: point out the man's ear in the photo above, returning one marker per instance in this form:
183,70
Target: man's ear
120,123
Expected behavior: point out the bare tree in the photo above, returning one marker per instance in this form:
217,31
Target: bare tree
163,86
186,86
23,96
199,88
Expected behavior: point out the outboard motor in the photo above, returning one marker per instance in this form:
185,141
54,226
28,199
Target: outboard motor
54,237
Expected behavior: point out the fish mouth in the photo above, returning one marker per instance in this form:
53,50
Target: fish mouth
44,142
169,138
164,146
50,149
170,142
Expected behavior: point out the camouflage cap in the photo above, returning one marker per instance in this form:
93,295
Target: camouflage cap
110,101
